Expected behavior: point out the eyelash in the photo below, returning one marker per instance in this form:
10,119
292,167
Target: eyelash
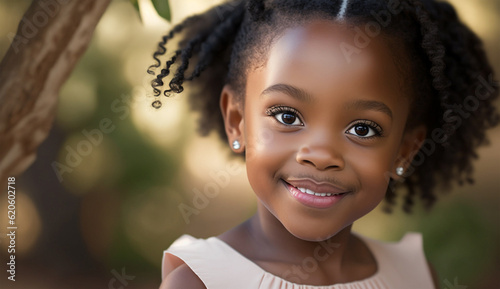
277,109
371,124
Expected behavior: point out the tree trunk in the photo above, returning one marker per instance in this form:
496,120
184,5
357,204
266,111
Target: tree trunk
51,37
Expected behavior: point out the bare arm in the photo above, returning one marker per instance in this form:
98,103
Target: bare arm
434,275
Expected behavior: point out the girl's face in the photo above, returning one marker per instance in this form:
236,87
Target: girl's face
322,116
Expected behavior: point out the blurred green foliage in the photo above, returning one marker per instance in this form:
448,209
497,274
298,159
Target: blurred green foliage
162,8
460,241
460,237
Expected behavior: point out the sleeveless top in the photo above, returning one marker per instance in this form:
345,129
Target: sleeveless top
400,265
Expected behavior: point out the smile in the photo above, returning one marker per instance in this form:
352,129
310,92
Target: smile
311,194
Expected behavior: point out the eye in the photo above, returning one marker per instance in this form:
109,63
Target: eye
285,115
288,118
365,129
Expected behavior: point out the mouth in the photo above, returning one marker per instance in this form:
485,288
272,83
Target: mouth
310,192
315,195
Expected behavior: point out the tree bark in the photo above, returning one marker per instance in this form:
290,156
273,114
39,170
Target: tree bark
51,37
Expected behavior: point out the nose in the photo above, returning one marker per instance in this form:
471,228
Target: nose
323,154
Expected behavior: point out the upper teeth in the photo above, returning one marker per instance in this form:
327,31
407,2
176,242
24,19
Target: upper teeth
307,191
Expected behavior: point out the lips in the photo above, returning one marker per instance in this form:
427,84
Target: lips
313,187
314,194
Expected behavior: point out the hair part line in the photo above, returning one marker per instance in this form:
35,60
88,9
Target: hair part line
343,9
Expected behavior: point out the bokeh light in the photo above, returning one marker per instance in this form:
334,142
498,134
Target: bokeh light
118,205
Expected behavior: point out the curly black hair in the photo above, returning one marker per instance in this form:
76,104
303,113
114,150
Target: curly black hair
446,72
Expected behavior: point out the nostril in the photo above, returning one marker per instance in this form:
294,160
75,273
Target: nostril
332,167
320,162
320,158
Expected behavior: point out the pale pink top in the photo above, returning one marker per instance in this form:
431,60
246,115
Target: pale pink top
400,265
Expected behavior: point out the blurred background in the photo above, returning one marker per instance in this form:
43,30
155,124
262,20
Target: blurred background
89,214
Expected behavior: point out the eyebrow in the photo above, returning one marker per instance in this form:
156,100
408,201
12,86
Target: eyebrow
290,90
369,105
304,96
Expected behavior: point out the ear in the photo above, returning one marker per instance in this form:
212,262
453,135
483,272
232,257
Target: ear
410,145
232,113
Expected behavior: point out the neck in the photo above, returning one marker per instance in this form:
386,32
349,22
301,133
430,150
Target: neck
271,236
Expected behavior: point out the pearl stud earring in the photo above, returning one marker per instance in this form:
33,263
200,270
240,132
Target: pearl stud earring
400,171
236,145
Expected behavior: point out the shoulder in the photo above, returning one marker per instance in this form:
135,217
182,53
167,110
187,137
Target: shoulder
413,242
176,273
404,261
182,277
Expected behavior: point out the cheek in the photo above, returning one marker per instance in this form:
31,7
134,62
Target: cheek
267,152
373,169
265,146
260,142
262,153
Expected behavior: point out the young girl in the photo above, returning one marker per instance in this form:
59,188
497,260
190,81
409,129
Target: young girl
354,97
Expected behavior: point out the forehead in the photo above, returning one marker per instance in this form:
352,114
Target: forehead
324,54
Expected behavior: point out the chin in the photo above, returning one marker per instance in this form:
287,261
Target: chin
312,233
